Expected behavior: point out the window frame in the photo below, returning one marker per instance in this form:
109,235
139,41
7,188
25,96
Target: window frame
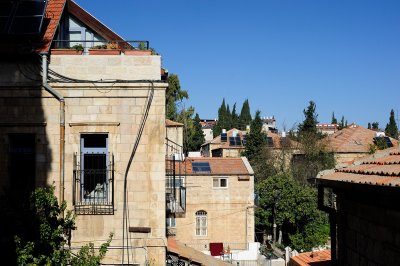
201,223
219,179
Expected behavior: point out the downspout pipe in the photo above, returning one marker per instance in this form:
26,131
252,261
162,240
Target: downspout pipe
61,99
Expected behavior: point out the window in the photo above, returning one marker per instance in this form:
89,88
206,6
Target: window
94,157
93,176
179,181
171,222
220,182
201,223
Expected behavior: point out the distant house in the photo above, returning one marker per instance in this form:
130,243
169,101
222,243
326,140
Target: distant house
228,144
362,203
269,124
219,207
327,129
353,142
207,127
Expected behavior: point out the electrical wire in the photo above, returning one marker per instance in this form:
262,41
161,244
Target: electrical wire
125,219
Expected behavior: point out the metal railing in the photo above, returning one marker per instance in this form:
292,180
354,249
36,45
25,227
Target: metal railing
93,190
85,45
175,178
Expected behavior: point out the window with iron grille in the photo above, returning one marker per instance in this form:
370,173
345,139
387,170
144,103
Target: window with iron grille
93,176
201,223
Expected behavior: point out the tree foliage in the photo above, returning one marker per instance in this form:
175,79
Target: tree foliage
293,208
245,115
314,155
174,95
51,235
195,135
309,125
334,120
256,139
391,129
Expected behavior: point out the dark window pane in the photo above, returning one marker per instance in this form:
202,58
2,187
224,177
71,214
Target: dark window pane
95,140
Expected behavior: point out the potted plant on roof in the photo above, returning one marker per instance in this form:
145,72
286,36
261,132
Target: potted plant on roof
105,49
141,50
76,49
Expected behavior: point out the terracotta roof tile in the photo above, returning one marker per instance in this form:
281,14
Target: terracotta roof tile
382,169
353,139
218,165
315,258
52,18
180,249
170,123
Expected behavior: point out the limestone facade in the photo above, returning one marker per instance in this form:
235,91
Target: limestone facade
114,108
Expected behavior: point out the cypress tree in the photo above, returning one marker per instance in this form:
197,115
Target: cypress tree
217,129
391,128
235,117
228,118
196,137
245,116
334,120
369,125
310,122
256,139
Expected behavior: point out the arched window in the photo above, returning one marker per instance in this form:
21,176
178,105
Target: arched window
201,223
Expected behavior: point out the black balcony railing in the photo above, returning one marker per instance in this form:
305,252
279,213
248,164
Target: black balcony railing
85,45
93,191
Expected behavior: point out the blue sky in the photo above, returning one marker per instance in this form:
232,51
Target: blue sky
344,55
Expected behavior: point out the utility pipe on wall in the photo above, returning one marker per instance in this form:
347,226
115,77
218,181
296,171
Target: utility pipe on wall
60,98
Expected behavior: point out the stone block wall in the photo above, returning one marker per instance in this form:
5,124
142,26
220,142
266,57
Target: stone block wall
368,229
227,211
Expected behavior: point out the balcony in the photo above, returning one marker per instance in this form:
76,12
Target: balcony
99,47
175,179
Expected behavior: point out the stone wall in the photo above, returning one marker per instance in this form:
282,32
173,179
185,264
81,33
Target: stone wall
368,229
115,109
227,210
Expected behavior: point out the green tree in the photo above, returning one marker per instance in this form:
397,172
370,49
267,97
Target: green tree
309,125
375,125
221,124
255,140
174,95
245,115
314,155
342,123
391,128
293,209
334,120
228,118
196,136
52,233
369,125
235,117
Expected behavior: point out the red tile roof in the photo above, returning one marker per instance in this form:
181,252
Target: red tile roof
53,14
170,123
192,254
219,166
316,258
381,169
354,138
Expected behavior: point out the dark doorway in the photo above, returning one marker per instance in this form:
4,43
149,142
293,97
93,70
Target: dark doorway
22,164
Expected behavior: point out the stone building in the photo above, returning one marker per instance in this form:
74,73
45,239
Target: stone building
362,202
353,142
219,206
93,126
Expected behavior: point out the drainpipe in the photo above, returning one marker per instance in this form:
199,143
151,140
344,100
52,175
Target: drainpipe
60,98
